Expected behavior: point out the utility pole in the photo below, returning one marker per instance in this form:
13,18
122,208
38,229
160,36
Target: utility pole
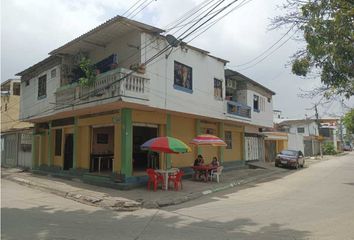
318,125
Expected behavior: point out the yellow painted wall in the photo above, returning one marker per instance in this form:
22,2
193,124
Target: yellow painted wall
44,148
208,152
84,146
37,150
281,145
236,153
98,120
183,129
148,117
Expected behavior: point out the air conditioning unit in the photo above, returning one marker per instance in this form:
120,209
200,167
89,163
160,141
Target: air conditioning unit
231,84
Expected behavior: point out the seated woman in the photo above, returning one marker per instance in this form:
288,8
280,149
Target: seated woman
215,162
199,161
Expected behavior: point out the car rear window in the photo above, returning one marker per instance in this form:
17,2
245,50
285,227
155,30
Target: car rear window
288,153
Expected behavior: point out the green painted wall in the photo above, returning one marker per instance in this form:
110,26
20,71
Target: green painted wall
126,142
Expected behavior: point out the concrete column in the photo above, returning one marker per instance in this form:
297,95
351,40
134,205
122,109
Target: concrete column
168,134
198,131
126,142
222,136
49,152
75,139
34,147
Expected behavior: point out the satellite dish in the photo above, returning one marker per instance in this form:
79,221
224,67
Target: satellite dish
172,40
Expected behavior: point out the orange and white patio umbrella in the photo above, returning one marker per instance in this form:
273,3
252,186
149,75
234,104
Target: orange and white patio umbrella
208,140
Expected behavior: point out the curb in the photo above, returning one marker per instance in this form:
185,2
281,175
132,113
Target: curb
112,203
120,204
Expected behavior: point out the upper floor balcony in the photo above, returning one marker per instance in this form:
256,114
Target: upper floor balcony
118,82
238,109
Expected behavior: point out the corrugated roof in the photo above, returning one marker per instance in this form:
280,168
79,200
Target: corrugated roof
107,31
232,73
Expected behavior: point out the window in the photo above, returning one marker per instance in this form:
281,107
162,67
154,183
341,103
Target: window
53,73
228,139
26,142
16,89
300,130
58,136
255,103
27,82
217,89
42,87
183,77
102,138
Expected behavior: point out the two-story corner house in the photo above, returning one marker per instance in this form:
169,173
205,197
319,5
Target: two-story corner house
332,131
84,130
16,136
253,103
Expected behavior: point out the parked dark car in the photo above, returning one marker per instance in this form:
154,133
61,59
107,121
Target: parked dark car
290,158
347,147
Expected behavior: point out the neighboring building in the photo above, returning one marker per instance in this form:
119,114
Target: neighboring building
302,134
250,101
16,136
332,131
86,130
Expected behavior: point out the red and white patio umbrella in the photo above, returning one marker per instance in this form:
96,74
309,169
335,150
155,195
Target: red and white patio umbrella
208,140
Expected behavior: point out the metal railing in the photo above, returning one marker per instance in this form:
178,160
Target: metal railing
114,83
238,109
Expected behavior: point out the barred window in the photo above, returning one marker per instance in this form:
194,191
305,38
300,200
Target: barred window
228,139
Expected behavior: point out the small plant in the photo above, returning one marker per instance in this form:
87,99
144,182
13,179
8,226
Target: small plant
328,149
89,72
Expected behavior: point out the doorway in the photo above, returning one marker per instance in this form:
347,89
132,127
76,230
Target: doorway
141,159
68,151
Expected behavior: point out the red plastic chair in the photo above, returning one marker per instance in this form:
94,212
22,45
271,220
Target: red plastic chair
154,179
176,179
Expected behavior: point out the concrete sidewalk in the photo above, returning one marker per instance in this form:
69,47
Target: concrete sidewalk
129,200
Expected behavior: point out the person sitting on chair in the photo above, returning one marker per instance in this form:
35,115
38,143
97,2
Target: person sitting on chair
215,162
199,161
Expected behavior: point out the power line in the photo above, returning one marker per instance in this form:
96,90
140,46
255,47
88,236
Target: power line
265,51
261,60
131,7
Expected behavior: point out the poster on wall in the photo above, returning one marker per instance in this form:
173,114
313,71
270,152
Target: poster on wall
183,76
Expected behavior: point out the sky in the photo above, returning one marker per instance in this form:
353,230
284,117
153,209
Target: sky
30,29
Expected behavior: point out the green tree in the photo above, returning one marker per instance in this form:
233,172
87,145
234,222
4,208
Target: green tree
328,30
348,121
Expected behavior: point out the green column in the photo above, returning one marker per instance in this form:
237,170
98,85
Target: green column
34,146
75,145
168,134
198,131
222,136
50,144
126,142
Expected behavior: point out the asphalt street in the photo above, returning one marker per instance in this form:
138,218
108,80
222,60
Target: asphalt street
312,203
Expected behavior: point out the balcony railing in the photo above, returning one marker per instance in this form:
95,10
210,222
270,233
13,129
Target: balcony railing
117,82
238,109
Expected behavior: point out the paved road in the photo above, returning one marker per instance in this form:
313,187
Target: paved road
314,203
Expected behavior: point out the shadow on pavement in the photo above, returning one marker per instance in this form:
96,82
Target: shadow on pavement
49,223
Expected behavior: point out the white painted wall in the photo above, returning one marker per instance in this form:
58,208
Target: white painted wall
264,118
296,142
310,128
204,69
30,105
